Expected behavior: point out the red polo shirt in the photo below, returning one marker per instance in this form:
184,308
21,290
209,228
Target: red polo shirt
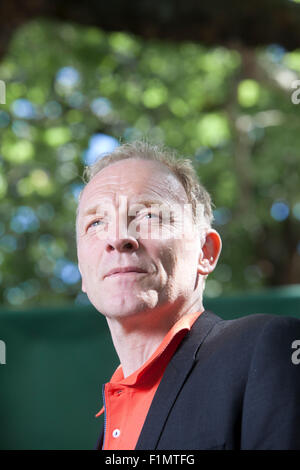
127,400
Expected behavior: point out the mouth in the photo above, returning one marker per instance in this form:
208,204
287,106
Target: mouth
125,272
125,275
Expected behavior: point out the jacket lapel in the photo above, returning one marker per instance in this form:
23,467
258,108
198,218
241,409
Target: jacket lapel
100,440
173,379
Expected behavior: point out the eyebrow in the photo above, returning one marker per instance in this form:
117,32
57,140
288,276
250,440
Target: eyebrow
145,202
91,210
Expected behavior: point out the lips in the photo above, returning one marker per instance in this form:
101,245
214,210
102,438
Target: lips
125,269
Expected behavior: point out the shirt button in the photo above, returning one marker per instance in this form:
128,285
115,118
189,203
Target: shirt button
116,433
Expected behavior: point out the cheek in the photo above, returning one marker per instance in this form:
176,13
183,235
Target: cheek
88,254
167,256
180,259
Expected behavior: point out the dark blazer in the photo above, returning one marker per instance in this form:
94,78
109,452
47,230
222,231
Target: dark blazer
231,384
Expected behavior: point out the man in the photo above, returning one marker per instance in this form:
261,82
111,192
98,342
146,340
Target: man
187,379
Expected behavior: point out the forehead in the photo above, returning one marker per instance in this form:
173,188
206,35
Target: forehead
134,178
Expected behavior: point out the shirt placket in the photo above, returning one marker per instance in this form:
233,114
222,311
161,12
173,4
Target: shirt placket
116,409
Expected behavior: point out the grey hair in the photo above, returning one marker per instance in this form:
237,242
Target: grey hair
181,168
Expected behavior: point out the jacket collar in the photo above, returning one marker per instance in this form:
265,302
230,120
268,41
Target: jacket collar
173,379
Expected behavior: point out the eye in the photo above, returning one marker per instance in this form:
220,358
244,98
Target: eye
94,223
152,214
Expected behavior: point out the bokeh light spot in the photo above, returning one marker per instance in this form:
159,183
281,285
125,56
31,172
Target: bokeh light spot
99,146
280,211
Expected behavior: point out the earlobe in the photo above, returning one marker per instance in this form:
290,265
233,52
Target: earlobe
210,252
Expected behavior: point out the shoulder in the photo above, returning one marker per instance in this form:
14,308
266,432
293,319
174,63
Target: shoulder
262,333
255,324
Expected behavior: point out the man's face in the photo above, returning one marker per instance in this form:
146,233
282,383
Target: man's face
106,241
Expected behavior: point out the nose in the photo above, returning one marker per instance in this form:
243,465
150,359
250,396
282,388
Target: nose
120,235
122,244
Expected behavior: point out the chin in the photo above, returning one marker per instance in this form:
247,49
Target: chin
122,311
128,304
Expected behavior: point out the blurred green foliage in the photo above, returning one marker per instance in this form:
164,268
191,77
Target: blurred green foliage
65,83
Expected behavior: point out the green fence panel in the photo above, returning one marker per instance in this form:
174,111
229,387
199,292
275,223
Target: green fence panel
56,361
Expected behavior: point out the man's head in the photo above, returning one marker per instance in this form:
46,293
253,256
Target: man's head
116,219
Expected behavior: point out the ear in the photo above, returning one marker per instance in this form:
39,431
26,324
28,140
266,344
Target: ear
82,282
210,252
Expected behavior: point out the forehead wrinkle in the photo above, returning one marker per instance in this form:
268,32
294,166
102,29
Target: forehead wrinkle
173,187
165,186
156,171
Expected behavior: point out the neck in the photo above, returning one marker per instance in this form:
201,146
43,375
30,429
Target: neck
136,337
